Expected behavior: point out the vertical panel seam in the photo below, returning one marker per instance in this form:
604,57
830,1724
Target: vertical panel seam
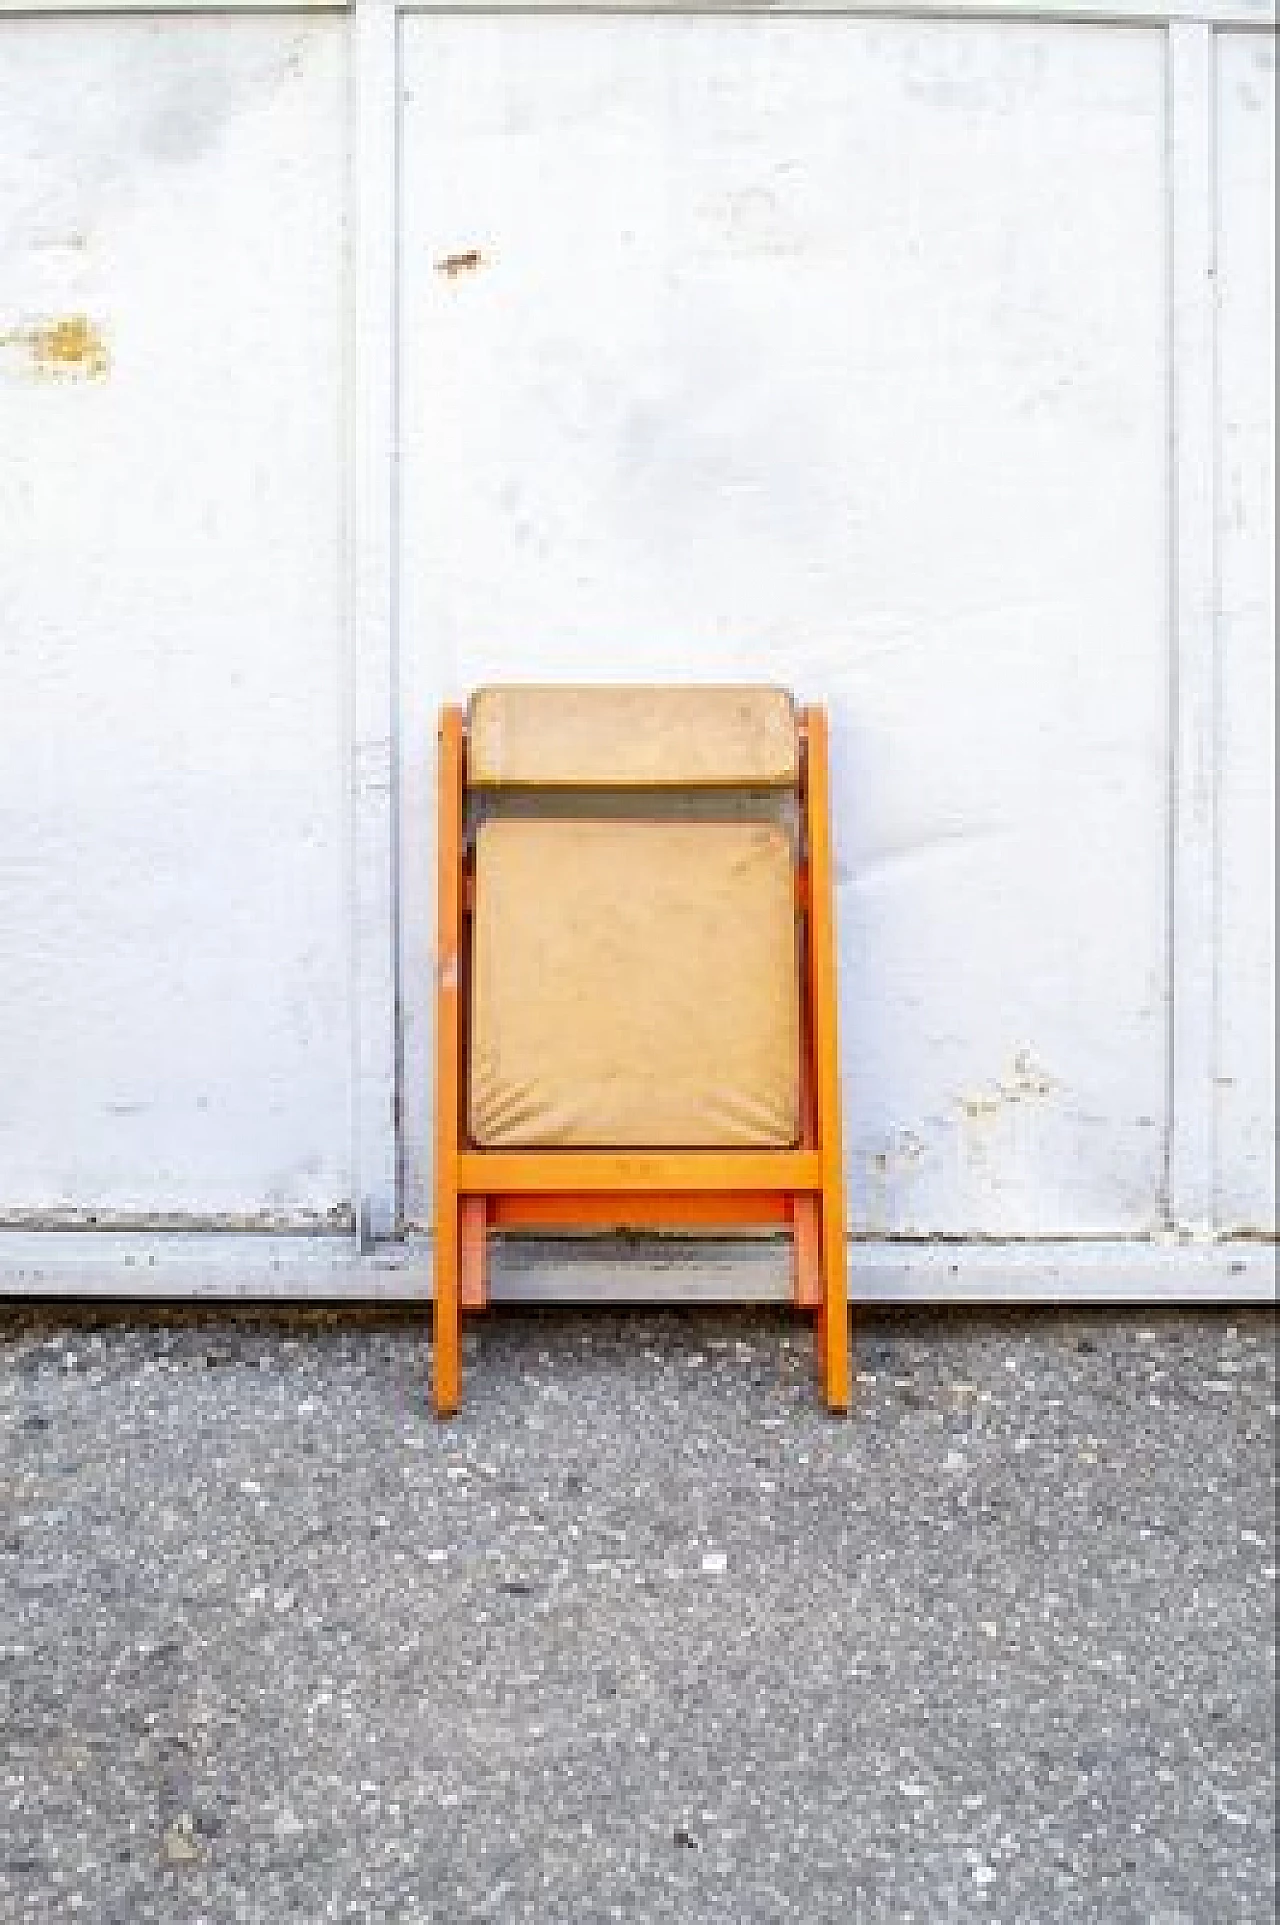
1192,858
1215,634
393,565
374,759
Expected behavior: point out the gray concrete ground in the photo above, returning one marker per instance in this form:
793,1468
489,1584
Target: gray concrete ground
643,1635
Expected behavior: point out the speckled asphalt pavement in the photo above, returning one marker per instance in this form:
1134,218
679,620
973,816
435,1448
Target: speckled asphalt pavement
643,1635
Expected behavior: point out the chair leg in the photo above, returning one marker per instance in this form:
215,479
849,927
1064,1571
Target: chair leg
473,1277
806,1229
448,1065
835,1310
446,1372
806,1223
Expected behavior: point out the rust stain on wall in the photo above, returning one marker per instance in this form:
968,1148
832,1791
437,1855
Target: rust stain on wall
70,348
452,265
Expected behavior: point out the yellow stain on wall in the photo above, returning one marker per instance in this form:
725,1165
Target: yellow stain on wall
70,348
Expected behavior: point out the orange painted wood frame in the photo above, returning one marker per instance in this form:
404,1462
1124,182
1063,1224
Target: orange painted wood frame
479,1191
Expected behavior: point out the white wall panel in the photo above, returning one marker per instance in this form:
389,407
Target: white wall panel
1246,522
173,957
832,352
829,350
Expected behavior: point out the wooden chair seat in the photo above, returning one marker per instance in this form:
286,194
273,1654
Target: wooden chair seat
635,985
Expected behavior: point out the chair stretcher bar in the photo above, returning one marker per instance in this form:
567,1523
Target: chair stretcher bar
719,1210
495,1172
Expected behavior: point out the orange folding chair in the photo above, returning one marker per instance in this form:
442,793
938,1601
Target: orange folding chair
636,984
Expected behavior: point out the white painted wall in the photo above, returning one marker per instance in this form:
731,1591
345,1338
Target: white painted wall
833,352
173,968
838,350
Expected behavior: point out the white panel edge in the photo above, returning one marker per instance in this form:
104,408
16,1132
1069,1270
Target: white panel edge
1119,13
1257,14
374,720
74,8
228,1267
1192,597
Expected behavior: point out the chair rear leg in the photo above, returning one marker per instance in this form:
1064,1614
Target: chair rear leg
806,1223
835,1310
473,1271
446,1361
